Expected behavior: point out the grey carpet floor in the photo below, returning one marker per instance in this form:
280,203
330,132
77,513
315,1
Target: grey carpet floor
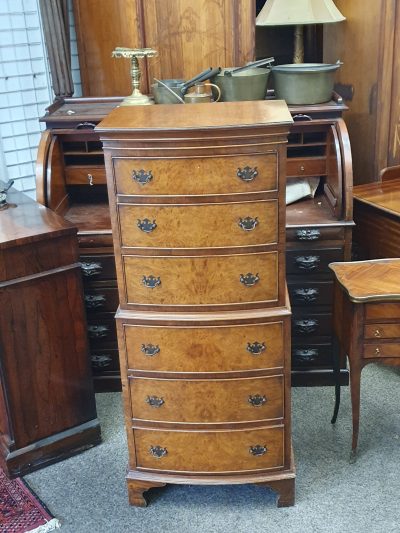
87,492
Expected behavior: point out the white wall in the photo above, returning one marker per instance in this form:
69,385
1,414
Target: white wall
25,89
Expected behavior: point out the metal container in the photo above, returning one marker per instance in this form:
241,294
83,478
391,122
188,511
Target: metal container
246,85
304,83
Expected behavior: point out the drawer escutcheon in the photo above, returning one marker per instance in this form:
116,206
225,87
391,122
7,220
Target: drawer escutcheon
142,176
308,234
98,331
258,450
306,325
150,349
146,225
155,401
248,223
91,269
257,400
249,279
307,294
151,282
247,173
256,348
95,301
307,262
158,452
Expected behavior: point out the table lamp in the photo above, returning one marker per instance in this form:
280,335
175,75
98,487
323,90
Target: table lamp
298,13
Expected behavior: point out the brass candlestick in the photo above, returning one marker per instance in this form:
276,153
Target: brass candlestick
136,98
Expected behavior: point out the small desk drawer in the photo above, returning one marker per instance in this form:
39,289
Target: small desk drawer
382,311
97,267
310,262
101,299
310,293
101,330
214,280
382,350
205,349
310,324
382,331
199,226
207,401
296,167
196,176
190,451
85,175
314,234
308,354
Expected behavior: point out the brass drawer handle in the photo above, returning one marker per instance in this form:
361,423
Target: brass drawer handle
258,450
154,401
95,301
377,351
247,173
249,279
146,225
248,223
90,179
150,350
377,333
256,348
158,452
96,331
306,325
307,294
151,282
306,355
307,262
91,269
142,176
308,234
257,400
99,362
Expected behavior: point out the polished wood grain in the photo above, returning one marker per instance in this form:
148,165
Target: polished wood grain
199,226
196,176
384,196
188,37
207,401
213,349
382,331
221,115
369,280
299,167
56,193
212,280
86,175
230,450
375,351
382,310
41,166
46,398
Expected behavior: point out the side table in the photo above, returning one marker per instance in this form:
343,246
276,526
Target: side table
366,317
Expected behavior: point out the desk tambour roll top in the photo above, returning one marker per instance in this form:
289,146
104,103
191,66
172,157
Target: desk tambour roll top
203,326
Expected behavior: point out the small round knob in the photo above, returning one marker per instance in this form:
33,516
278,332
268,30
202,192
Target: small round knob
377,333
377,351
302,168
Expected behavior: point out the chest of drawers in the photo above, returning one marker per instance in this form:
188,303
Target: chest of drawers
198,219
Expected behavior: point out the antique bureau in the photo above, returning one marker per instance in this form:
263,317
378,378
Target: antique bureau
198,218
71,180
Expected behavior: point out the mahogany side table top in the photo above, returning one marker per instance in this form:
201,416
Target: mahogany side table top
366,318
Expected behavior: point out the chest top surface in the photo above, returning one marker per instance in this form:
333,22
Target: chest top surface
205,116
366,281
383,195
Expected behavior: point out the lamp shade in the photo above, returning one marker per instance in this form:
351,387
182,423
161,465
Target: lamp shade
288,12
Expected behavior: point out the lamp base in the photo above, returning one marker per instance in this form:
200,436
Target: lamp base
137,98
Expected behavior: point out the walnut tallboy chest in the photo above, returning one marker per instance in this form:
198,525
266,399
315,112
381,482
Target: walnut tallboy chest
197,199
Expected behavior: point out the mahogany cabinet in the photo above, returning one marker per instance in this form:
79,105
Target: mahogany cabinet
189,37
369,79
47,404
198,217
71,180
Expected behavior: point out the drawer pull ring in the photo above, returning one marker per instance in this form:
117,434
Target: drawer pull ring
377,333
154,401
257,400
249,280
258,450
158,452
94,301
90,179
256,348
248,223
146,225
91,269
307,294
307,262
151,282
96,331
142,176
307,325
99,362
247,173
150,350
377,351
306,355
308,234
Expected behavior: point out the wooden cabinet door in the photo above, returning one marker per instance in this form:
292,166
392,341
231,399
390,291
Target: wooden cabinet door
189,37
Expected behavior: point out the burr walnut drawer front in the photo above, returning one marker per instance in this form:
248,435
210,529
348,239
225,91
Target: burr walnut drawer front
382,331
207,401
97,267
382,311
196,176
199,226
206,349
85,175
388,349
202,280
190,451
